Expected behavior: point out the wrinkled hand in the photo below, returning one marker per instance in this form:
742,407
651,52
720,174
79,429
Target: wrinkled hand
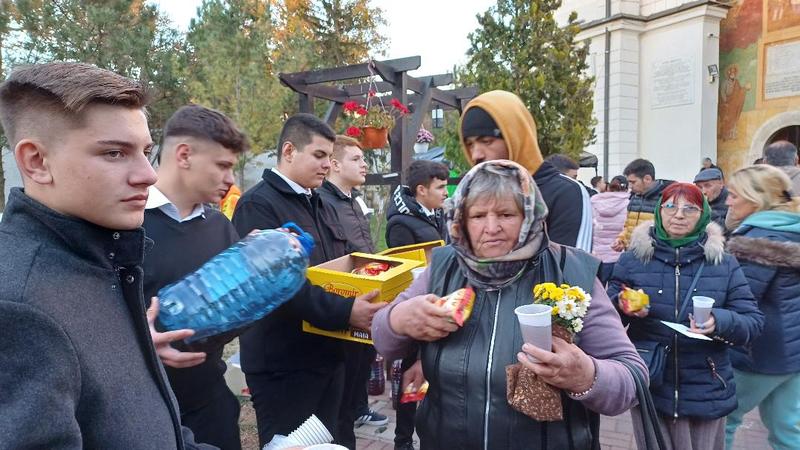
566,367
419,319
363,310
706,328
618,245
414,377
169,355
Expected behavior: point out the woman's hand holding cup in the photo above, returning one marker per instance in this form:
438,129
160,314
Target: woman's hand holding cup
705,328
420,319
566,367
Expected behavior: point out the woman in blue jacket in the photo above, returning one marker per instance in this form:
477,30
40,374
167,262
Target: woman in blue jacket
696,389
766,241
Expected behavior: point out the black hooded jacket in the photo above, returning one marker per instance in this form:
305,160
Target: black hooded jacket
407,222
564,199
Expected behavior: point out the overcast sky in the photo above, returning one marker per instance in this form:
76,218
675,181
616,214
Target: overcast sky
434,29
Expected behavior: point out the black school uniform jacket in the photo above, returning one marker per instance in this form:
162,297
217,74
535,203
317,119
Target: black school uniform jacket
277,342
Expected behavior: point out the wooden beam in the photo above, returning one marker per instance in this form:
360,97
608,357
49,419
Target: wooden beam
401,149
392,178
306,103
420,110
334,109
442,79
363,88
353,71
331,93
463,95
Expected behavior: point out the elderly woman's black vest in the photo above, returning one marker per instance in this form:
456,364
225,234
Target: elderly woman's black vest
466,406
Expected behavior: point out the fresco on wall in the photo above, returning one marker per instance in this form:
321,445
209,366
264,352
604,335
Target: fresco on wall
748,26
782,14
741,28
731,101
739,34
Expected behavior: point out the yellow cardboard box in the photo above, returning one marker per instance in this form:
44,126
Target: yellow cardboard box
416,252
334,276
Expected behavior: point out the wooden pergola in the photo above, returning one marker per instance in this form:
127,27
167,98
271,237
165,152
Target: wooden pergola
325,84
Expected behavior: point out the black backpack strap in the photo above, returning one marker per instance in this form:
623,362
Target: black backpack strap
691,289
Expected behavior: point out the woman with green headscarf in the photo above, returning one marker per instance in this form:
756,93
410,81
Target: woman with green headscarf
677,258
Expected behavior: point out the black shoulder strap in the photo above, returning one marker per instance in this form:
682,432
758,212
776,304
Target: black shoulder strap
691,289
653,437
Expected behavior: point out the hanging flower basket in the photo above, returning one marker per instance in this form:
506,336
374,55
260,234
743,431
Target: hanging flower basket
372,138
370,123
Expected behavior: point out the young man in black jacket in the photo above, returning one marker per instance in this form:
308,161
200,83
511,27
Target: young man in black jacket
199,150
415,213
292,374
415,216
79,366
349,170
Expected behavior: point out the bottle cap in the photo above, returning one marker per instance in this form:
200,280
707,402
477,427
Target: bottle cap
306,240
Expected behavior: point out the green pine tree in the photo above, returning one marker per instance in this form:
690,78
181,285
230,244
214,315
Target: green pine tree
129,37
520,48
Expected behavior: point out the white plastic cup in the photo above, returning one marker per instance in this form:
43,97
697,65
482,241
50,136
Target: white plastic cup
535,322
702,309
416,272
311,432
326,447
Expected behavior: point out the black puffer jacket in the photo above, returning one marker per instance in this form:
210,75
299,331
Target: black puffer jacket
771,261
698,378
407,222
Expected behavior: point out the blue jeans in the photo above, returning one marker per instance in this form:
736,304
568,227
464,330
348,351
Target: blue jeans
778,401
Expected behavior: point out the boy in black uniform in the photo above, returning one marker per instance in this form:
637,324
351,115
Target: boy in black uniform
199,151
348,171
292,374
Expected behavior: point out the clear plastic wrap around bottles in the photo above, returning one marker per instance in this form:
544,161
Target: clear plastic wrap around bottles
240,285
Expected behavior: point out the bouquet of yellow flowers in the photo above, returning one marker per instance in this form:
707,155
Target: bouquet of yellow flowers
526,392
570,304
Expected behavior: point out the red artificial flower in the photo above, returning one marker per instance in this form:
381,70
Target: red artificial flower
361,111
396,103
350,106
371,93
353,131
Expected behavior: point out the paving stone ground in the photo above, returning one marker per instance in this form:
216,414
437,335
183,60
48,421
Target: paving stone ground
616,433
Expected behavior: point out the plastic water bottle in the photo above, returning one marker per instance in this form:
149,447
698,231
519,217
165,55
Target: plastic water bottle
242,284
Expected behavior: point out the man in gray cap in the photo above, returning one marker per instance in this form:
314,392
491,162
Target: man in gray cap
710,182
783,155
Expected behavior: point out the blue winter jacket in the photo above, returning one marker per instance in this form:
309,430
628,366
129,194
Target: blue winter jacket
771,262
698,379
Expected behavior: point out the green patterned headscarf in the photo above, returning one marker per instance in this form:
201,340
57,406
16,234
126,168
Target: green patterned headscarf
702,223
498,272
